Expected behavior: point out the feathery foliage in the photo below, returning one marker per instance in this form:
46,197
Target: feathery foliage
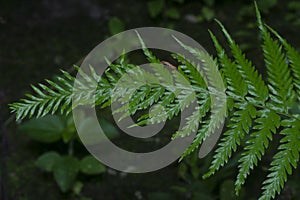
256,108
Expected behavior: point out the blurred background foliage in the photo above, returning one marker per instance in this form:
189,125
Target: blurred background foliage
39,37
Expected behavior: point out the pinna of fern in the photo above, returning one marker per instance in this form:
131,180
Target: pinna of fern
256,108
264,109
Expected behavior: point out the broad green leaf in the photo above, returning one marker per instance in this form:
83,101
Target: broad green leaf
91,166
65,171
70,130
47,161
68,135
46,129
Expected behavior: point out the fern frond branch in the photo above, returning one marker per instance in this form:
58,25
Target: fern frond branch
279,78
293,57
266,125
284,161
256,86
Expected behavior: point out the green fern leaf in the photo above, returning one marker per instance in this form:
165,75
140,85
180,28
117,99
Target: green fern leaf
217,92
266,124
293,59
239,126
284,161
256,86
236,84
281,86
47,100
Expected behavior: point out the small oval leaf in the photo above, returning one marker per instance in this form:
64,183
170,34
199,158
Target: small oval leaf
91,166
47,160
65,171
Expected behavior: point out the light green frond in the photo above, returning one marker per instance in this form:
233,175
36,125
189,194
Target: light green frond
47,99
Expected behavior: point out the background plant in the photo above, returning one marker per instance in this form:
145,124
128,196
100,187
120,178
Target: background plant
60,131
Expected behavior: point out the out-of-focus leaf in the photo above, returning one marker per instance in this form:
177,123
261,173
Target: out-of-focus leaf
46,129
155,7
115,25
109,129
294,5
77,187
173,13
91,166
65,171
182,170
208,13
67,136
70,130
47,160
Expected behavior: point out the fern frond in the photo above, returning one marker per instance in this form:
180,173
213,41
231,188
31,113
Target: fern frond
150,56
242,120
47,99
217,92
237,86
195,119
191,71
209,126
284,161
266,124
293,57
256,86
163,74
209,68
279,78
239,126
200,137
